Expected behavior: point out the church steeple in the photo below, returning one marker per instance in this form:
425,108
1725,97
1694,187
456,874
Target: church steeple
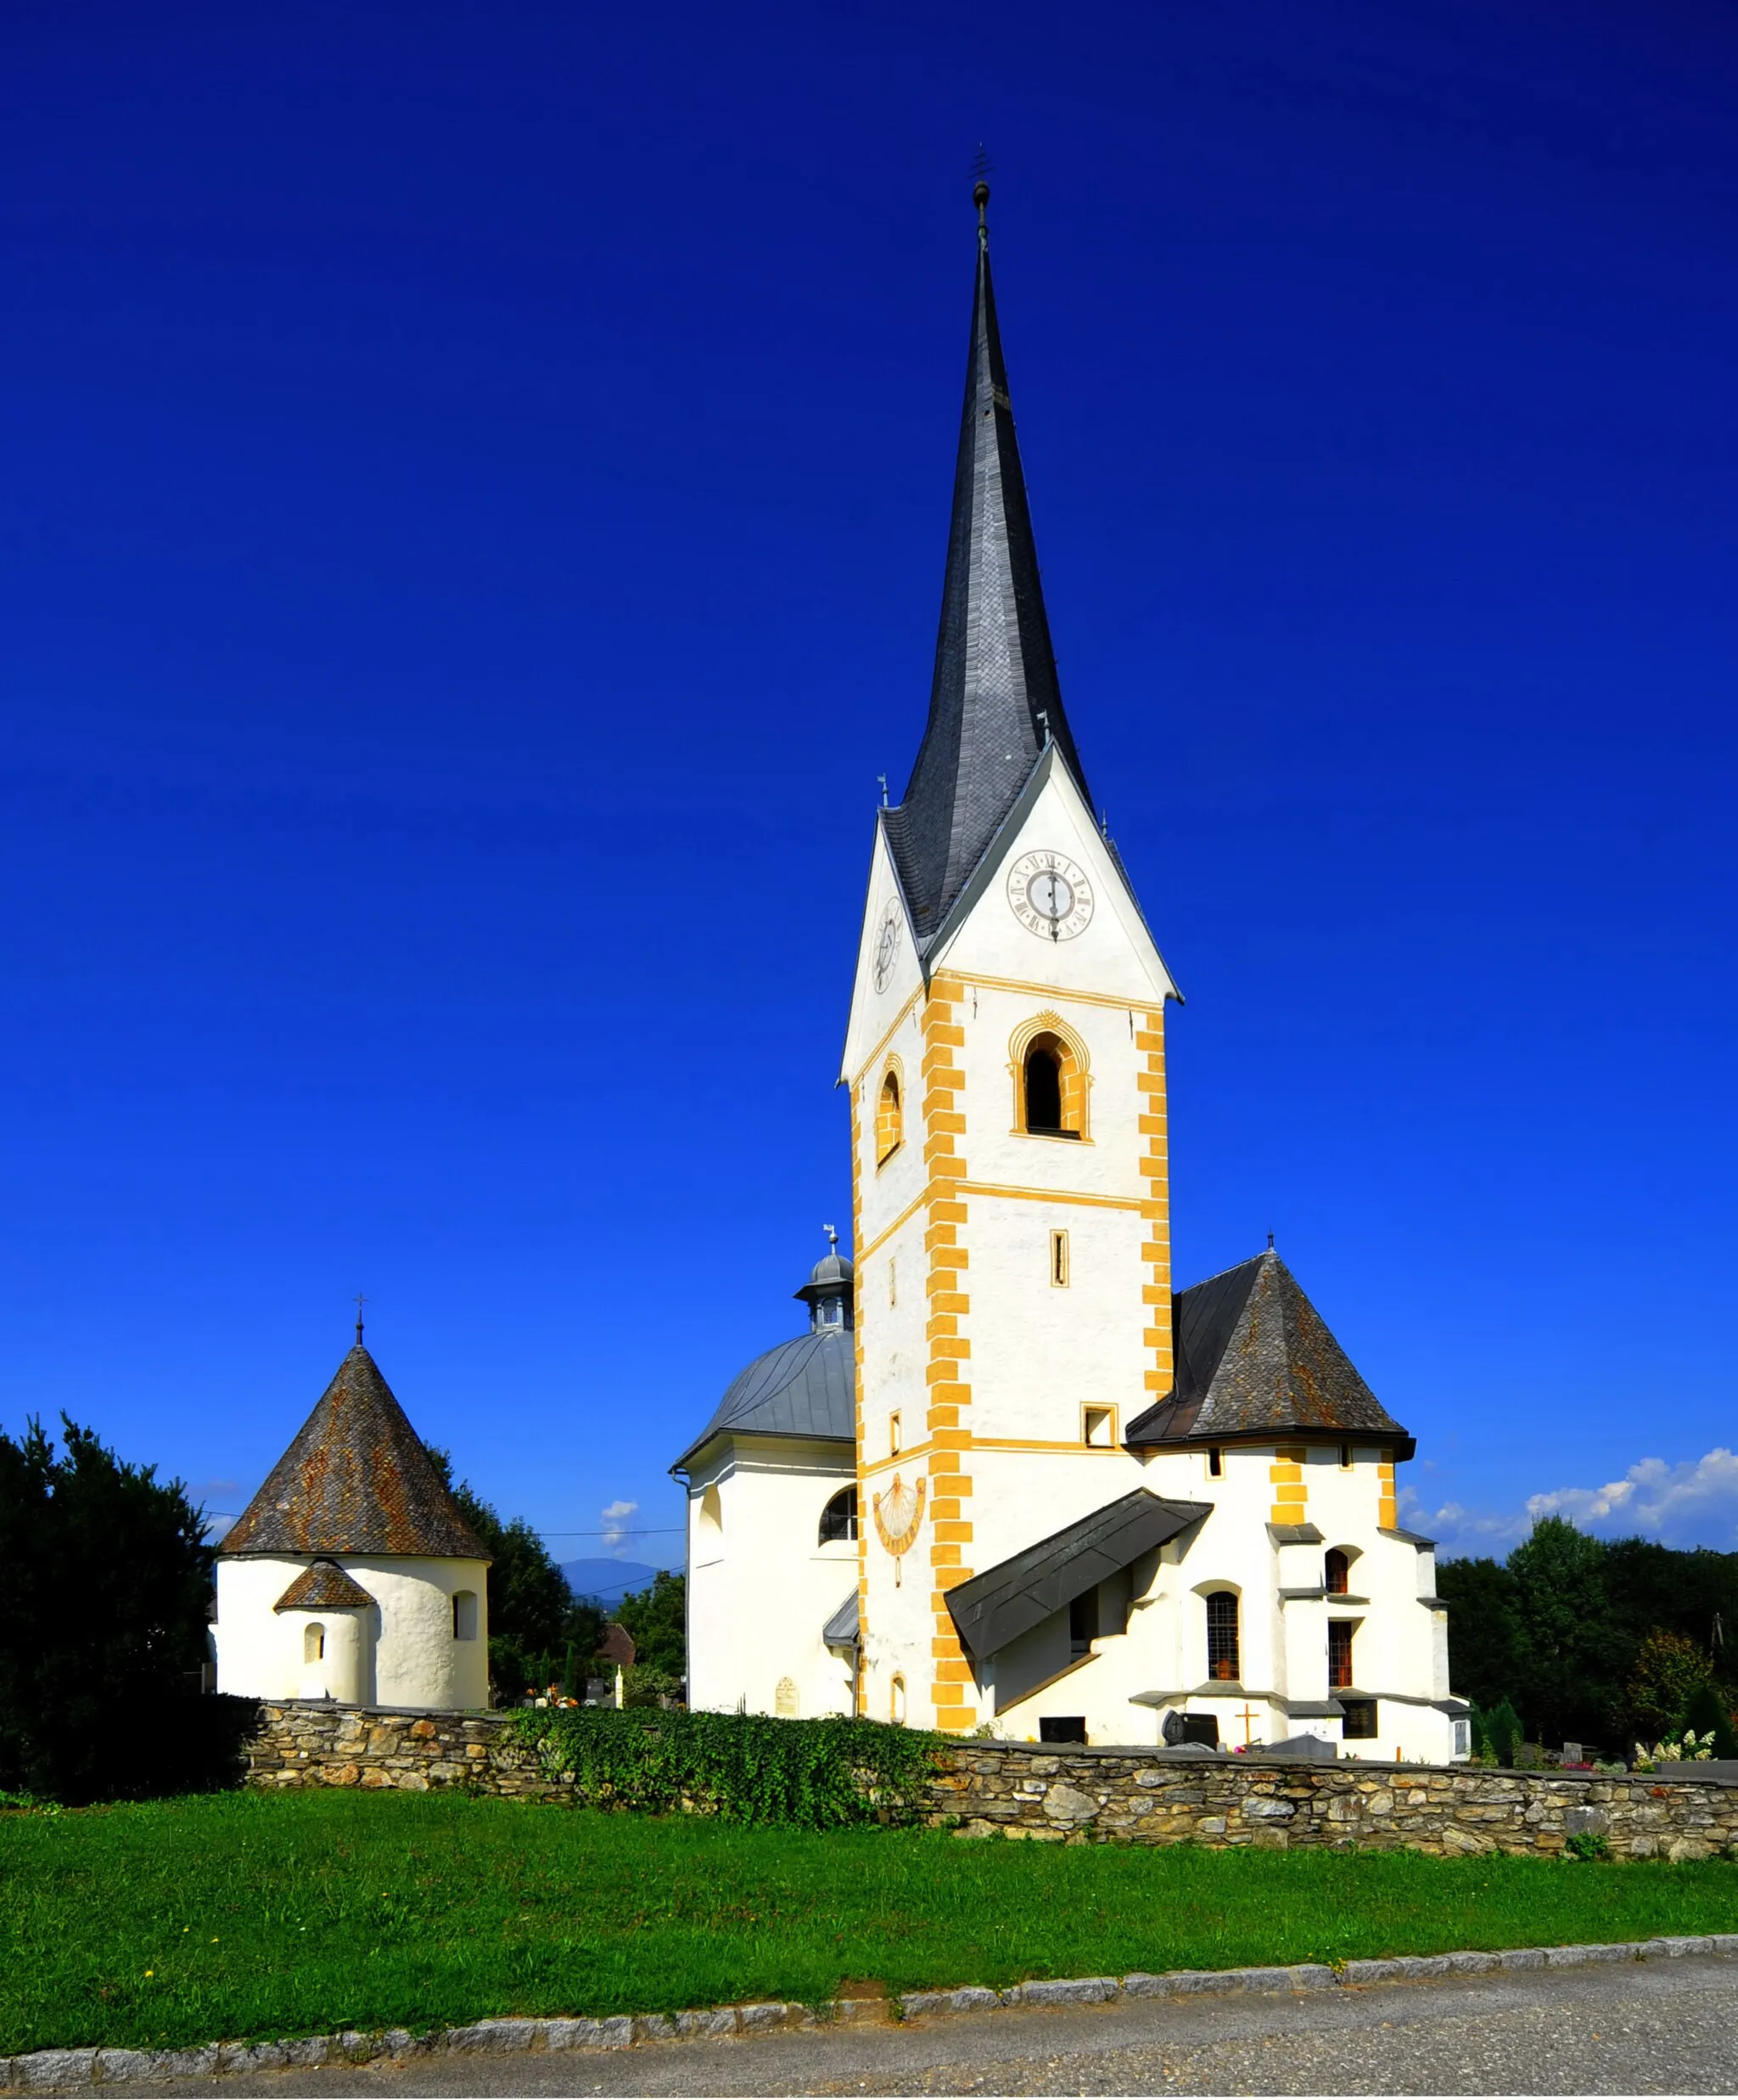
994,702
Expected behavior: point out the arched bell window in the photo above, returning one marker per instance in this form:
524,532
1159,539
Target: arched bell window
1048,1061
889,1116
1044,1092
1338,1571
1223,1660
838,1520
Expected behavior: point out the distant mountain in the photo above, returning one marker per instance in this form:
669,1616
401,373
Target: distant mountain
606,1582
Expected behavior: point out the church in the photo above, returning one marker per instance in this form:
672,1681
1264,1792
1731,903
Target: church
1012,1480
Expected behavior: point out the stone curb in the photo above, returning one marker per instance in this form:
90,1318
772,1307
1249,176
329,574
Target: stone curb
61,2071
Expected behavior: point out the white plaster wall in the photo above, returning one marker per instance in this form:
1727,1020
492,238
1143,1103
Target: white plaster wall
405,1654
1284,1645
761,1586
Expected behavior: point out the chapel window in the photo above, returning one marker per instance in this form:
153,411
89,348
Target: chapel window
890,1118
1338,1573
838,1520
1224,1663
314,1642
1339,1653
464,1615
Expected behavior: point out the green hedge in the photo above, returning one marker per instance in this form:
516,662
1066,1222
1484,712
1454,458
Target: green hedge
745,1767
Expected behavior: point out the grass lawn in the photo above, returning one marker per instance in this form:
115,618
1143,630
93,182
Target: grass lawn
252,1917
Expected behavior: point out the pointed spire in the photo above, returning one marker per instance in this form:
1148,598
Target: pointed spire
994,703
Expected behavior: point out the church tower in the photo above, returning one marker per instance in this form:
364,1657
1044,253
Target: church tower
1006,1062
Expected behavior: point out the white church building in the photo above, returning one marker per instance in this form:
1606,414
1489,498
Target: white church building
1012,1478
351,1575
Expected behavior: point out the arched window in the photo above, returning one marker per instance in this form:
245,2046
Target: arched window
1224,1663
1337,1574
896,1702
1044,1092
889,1117
711,1510
464,1615
838,1520
314,1642
1049,1065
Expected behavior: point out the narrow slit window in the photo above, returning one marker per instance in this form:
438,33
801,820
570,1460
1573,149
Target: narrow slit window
1082,1624
464,1615
314,1643
1059,1261
1215,1464
892,1281
1345,1458
895,1435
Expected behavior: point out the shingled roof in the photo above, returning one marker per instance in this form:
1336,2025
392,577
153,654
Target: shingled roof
324,1586
1254,1358
995,694
355,1480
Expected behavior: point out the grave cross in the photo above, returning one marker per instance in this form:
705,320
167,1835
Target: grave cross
1248,1717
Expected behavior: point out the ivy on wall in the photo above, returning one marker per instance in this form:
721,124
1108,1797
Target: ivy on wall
747,1768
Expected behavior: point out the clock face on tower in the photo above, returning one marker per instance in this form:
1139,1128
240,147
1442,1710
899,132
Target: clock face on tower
887,946
1050,896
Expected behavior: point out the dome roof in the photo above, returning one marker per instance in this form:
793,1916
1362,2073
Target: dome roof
831,1276
806,1387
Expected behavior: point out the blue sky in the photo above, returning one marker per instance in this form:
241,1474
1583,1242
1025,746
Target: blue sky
471,534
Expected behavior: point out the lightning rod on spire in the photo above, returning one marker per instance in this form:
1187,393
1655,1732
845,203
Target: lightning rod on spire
361,1302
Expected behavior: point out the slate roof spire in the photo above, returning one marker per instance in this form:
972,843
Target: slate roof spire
994,702
357,1479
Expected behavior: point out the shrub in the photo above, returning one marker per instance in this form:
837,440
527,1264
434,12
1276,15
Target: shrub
1670,1671
747,1768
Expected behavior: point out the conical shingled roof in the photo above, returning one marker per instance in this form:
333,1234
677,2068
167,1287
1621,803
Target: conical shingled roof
995,669
355,1480
1254,1357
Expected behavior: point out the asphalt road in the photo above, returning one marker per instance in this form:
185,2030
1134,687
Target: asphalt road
1666,2026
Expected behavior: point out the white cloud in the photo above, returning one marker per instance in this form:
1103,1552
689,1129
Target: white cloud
615,1517
1694,1502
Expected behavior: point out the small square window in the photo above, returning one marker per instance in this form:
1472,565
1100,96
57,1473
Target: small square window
1098,1427
1062,1728
1359,1724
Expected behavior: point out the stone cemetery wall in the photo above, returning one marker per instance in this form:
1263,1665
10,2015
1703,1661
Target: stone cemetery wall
1052,1794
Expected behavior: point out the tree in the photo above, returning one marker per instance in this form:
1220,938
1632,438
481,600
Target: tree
103,1628
1669,1672
1570,1647
1484,1631
658,1620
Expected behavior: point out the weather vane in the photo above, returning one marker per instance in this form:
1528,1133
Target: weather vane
831,1233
